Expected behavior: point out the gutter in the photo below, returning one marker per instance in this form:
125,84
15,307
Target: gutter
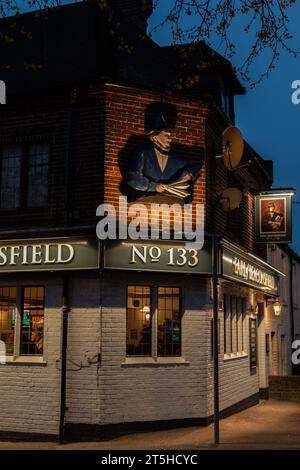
64,343
65,295
292,296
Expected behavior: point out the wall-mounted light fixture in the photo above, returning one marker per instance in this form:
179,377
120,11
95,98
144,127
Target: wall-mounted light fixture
254,309
277,308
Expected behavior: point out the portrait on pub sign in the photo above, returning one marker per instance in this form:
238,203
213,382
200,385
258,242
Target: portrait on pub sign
273,218
273,215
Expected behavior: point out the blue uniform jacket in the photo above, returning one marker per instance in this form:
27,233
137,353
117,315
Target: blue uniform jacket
145,173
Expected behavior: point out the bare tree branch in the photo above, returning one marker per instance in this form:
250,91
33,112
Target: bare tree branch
264,21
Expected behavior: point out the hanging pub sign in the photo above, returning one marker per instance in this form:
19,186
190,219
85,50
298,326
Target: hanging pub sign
273,216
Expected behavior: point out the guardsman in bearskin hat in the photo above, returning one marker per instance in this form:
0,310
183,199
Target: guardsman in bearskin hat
154,169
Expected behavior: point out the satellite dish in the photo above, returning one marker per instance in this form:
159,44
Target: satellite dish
230,199
233,147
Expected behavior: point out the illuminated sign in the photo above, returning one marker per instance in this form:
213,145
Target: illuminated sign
273,217
157,256
246,270
249,272
48,254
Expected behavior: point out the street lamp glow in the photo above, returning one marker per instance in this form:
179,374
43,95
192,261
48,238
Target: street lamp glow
277,308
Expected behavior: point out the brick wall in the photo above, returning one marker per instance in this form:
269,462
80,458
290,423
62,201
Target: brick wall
116,389
279,327
238,224
123,392
30,393
50,119
84,391
236,380
128,390
125,113
106,124
285,388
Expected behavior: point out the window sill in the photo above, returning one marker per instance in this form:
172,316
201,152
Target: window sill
234,356
25,361
154,361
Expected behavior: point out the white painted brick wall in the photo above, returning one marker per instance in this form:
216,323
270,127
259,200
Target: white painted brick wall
281,325
140,392
237,382
30,395
83,384
118,392
143,392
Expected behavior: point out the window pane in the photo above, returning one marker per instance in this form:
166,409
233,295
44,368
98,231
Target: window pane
38,175
32,324
239,302
169,322
138,335
244,309
225,316
7,317
234,337
10,176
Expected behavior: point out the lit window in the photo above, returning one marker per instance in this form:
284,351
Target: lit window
7,317
138,321
32,322
169,322
167,317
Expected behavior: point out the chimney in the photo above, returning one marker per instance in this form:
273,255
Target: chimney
138,10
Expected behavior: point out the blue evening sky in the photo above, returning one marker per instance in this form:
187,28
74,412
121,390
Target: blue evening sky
266,116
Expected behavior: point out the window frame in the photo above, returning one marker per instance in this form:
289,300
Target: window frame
16,306
228,323
154,319
26,177
234,316
224,323
24,174
16,144
180,316
23,287
151,319
226,98
19,303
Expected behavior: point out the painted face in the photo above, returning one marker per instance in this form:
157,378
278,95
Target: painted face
163,139
271,209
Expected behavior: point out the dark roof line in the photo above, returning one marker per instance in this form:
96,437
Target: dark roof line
266,166
207,58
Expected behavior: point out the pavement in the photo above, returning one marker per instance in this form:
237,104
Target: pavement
271,424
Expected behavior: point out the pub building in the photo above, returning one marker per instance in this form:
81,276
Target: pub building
107,336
